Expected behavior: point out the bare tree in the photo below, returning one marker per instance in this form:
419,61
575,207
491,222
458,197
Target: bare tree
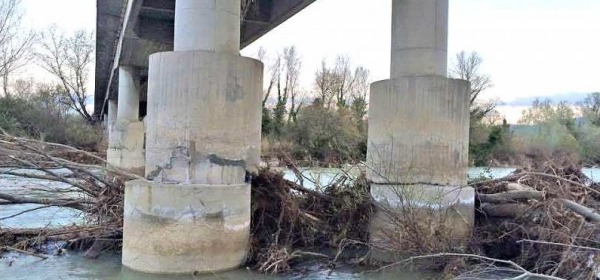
343,80
284,80
591,108
292,65
359,92
323,85
274,71
340,83
468,68
15,44
23,88
361,83
69,59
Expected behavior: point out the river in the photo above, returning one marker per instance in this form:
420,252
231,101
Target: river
71,266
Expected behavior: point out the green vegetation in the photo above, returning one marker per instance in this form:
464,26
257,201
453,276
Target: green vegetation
546,129
329,128
558,130
39,111
56,112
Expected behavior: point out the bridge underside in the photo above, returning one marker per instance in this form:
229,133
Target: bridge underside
149,28
199,144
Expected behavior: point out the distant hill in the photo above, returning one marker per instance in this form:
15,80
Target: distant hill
527,129
573,98
523,129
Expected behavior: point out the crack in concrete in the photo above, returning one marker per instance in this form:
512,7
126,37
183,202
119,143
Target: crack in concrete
154,173
226,162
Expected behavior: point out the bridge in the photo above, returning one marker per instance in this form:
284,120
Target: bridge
129,31
183,109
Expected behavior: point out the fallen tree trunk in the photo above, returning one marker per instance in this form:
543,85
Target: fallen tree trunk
512,196
587,212
508,210
81,205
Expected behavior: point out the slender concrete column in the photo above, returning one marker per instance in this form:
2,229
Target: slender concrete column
112,116
419,133
126,142
129,94
419,38
207,25
203,144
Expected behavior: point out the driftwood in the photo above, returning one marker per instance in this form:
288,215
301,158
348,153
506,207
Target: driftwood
514,267
501,204
578,184
100,200
507,210
511,196
96,249
78,204
587,212
542,218
517,187
8,248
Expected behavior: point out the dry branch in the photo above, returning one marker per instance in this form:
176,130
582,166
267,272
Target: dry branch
559,244
524,273
8,248
515,212
578,184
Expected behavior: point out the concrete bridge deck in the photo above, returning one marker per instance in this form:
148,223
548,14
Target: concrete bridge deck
128,31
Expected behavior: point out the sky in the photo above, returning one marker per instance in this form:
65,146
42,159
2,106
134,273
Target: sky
530,48
69,16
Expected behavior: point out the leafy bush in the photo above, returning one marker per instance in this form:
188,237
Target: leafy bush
41,115
327,135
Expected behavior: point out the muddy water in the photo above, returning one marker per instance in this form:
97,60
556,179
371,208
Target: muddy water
71,266
109,267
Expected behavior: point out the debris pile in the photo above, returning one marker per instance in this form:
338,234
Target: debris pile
291,223
543,219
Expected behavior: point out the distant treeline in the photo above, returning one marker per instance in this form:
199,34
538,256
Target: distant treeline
545,129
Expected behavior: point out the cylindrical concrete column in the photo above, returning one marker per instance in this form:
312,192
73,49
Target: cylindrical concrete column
129,94
111,118
419,131
126,140
112,113
203,138
204,117
192,214
419,138
209,25
419,38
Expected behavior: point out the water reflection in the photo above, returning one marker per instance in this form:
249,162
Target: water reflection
127,274
74,267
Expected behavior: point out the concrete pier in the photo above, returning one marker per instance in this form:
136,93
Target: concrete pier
111,116
203,143
126,138
419,133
